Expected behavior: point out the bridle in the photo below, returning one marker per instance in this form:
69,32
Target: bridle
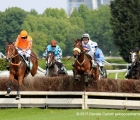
11,54
134,58
49,61
79,53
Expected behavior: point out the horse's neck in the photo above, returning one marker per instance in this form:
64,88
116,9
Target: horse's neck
17,58
81,57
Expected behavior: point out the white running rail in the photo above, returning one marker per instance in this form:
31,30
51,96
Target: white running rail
2,55
74,99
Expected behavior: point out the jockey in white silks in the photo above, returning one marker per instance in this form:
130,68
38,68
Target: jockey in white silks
53,47
89,47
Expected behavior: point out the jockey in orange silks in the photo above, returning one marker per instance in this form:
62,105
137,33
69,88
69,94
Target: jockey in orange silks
24,45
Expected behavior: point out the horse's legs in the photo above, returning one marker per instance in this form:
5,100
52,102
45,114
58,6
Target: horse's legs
10,84
20,78
76,75
97,74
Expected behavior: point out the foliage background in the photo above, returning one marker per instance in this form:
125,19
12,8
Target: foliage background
55,24
116,28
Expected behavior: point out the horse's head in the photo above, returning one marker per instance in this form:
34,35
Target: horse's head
10,51
134,57
50,58
77,47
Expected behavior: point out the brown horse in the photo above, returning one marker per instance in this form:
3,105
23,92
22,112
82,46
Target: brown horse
83,66
18,68
53,68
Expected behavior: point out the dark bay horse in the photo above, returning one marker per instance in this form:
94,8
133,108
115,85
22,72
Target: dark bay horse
53,68
83,66
135,67
18,68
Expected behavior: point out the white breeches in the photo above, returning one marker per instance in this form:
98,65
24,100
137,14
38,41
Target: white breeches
26,53
100,63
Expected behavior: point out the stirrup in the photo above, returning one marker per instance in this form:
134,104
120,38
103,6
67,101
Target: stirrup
94,65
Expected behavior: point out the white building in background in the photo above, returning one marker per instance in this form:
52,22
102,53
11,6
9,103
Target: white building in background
91,4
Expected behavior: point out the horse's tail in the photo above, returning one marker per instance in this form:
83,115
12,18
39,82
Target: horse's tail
34,60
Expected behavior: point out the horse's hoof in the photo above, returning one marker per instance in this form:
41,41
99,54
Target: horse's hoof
87,85
17,97
7,95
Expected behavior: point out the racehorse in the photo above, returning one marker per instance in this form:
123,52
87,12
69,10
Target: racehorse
53,68
135,66
83,66
18,68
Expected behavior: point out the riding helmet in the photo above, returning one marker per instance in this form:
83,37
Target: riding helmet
86,36
23,33
53,43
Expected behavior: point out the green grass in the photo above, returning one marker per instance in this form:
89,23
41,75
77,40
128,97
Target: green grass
67,114
120,75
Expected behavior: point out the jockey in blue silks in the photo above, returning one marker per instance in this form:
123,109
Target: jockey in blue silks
53,47
99,57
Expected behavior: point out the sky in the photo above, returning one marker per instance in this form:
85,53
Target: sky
38,5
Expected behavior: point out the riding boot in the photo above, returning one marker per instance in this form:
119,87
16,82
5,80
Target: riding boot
101,70
28,59
63,69
128,72
93,64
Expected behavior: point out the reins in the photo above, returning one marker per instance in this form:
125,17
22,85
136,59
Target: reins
15,63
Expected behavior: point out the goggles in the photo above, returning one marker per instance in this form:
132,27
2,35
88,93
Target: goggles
24,37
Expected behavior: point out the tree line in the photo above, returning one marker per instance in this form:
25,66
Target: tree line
116,28
54,24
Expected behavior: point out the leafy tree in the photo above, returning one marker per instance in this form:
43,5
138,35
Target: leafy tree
83,11
55,12
33,12
77,21
99,29
12,20
75,32
125,23
75,13
48,28
2,32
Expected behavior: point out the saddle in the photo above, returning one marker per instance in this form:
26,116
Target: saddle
28,62
90,58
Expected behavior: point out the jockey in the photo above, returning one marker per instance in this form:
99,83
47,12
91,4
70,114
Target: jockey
24,45
99,57
53,47
137,50
89,47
